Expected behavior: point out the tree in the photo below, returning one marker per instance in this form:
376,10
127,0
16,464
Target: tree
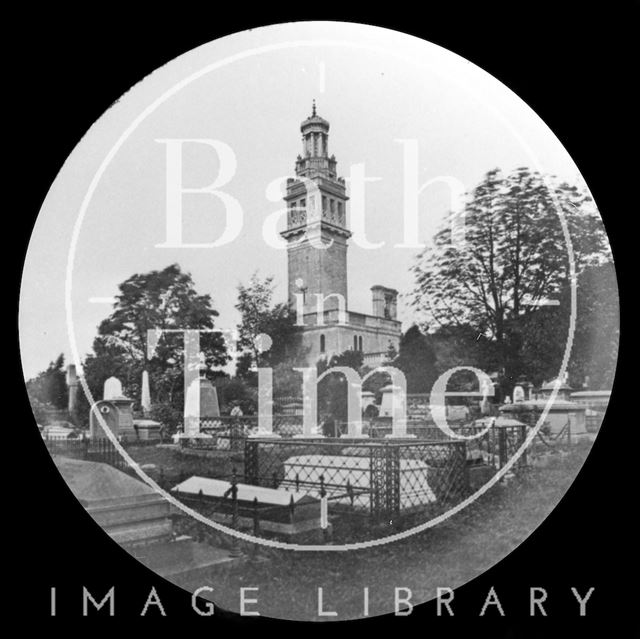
333,390
514,256
245,370
49,388
165,300
594,346
417,360
260,316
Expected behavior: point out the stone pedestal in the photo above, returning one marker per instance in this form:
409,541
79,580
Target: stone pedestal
202,401
117,414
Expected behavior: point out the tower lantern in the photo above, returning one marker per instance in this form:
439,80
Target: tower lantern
317,207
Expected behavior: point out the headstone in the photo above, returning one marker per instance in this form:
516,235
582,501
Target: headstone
393,401
394,405
201,401
112,389
518,394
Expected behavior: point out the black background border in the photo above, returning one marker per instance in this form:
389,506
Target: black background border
569,67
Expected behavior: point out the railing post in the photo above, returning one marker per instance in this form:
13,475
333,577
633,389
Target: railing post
392,481
350,492
502,446
376,482
324,511
256,518
251,462
235,545
292,509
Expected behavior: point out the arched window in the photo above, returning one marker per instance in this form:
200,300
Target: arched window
360,342
355,342
322,343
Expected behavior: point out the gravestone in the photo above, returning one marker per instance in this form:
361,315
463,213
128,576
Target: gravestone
393,401
112,389
518,394
201,402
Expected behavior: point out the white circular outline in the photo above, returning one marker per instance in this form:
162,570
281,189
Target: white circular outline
82,212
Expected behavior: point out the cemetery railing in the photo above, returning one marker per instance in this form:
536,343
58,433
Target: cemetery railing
384,479
97,450
229,432
495,447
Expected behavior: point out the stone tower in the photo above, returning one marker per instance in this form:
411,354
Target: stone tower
316,232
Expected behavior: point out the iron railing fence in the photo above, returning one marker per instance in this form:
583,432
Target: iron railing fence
381,478
229,432
98,450
494,447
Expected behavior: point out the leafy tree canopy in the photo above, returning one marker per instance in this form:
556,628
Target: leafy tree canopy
166,300
417,360
514,258
260,316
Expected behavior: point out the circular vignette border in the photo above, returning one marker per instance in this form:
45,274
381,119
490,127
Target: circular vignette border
69,286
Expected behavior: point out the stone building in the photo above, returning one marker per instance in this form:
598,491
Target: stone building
318,235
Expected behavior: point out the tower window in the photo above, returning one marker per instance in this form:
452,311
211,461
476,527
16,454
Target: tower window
360,343
332,205
322,344
355,342
324,203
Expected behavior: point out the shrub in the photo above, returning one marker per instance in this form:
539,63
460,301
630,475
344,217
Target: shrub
168,416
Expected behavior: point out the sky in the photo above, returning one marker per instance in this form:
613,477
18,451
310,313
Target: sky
105,214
